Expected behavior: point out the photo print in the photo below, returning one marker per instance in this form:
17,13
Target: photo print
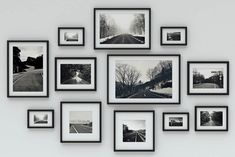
122,28
208,78
146,79
211,118
75,73
173,36
134,131
27,68
40,118
175,121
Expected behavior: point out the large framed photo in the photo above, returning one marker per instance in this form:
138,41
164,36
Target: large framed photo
208,78
75,73
40,118
27,71
134,130
122,28
211,118
71,36
80,122
173,36
143,79
175,121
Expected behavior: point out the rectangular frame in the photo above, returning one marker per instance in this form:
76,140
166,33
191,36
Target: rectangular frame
124,47
9,95
153,131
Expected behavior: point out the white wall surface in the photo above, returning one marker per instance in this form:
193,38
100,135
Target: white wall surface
211,36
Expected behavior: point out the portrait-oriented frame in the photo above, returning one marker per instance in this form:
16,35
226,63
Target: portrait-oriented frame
147,45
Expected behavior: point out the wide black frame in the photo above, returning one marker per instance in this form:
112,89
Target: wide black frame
148,103
206,62
40,110
174,27
174,113
47,81
83,34
148,48
114,133
80,102
68,58
195,110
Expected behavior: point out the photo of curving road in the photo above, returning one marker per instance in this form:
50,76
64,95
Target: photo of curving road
135,136
124,39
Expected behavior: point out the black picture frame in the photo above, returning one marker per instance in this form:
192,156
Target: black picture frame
76,58
134,150
80,102
207,62
145,55
174,113
173,44
71,28
206,130
40,110
46,95
122,48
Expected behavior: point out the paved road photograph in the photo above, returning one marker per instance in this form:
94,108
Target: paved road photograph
80,128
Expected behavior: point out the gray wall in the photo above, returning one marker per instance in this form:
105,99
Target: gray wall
211,37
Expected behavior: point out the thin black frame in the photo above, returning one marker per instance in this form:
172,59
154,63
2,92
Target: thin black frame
133,150
47,55
148,103
196,107
83,34
206,62
174,27
80,102
40,110
174,113
147,48
80,58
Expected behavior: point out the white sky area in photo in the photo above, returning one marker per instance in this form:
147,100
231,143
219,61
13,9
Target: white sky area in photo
142,66
207,71
80,115
30,51
135,124
40,115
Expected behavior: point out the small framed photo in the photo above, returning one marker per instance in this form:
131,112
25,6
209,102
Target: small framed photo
173,36
208,78
122,28
175,121
75,73
134,130
71,36
143,79
38,118
211,118
80,122
27,68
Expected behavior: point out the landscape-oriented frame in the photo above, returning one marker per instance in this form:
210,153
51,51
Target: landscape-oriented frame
133,111
174,113
206,62
146,103
80,102
71,28
171,44
122,48
39,110
79,58
47,69
225,107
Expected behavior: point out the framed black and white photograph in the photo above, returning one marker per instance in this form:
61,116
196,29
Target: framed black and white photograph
211,118
122,28
71,36
80,122
175,121
208,78
40,118
75,73
173,36
143,79
134,130
27,68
